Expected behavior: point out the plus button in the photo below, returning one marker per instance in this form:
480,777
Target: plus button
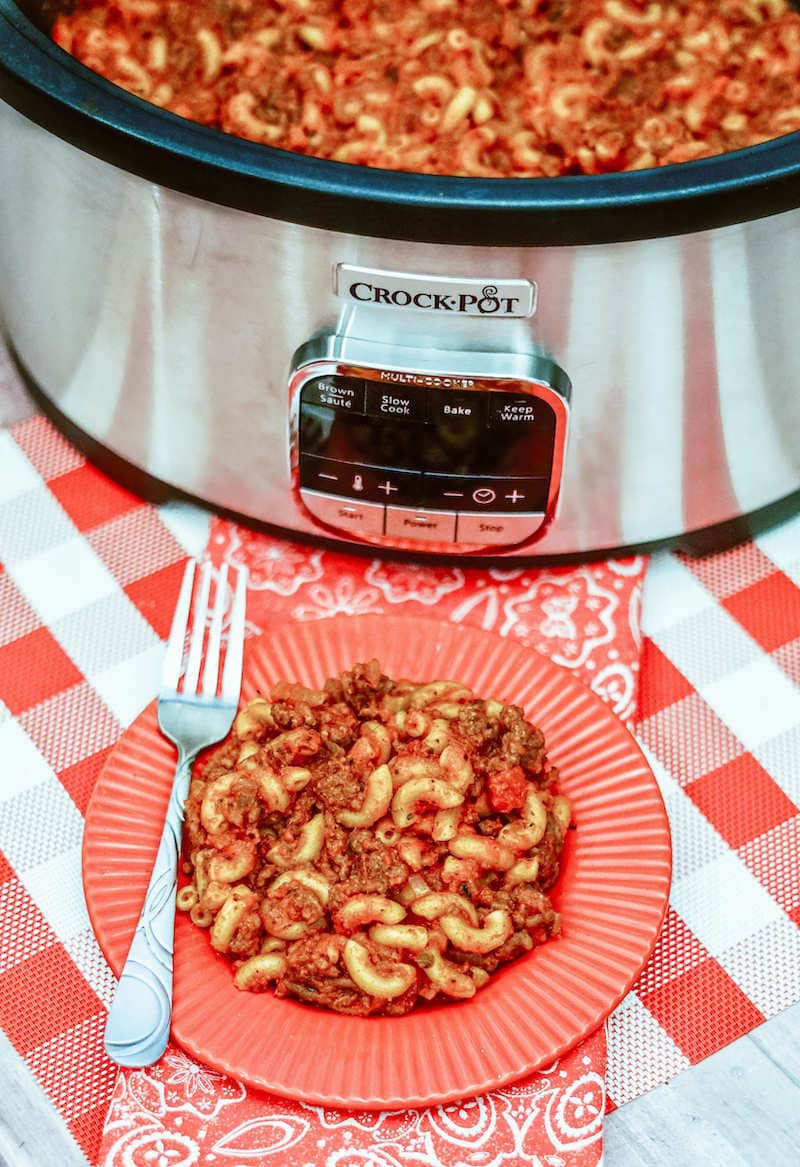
387,487
515,496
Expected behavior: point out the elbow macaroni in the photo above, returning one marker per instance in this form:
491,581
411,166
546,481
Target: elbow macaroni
512,89
377,799
399,862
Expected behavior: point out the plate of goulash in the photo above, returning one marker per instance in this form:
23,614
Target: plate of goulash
421,843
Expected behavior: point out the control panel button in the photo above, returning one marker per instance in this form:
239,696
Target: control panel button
361,483
452,406
339,392
431,526
495,530
492,494
402,402
365,518
507,408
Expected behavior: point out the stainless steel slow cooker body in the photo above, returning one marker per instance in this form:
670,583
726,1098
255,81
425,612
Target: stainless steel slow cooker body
170,289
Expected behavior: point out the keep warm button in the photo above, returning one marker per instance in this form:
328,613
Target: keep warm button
493,530
431,526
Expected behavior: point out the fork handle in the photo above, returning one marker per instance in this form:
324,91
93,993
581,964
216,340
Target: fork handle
138,1023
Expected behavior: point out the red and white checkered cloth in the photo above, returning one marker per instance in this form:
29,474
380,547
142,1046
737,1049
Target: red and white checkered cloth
88,575
88,581
719,716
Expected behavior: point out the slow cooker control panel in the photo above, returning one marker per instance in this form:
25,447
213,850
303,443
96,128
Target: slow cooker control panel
447,462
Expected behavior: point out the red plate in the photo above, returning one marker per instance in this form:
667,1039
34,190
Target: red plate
612,891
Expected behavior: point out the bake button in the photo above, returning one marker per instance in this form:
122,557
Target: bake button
447,405
430,526
365,518
497,529
339,392
398,401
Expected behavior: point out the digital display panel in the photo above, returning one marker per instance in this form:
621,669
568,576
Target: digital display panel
428,436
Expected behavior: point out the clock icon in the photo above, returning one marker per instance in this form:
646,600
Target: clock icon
484,495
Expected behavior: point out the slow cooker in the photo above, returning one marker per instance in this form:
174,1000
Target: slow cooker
454,366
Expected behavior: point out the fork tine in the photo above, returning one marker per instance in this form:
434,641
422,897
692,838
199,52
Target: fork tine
173,658
211,670
232,673
198,631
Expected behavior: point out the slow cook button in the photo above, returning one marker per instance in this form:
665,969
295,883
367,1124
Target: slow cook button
496,529
431,526
365,518
398,401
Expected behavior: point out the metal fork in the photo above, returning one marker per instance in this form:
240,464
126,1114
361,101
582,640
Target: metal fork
138,1024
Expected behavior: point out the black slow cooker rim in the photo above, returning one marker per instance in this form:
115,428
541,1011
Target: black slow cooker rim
52,89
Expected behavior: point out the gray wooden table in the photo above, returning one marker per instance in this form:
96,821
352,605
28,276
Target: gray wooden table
739,1108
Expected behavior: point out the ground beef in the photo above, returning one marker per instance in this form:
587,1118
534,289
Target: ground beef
337,786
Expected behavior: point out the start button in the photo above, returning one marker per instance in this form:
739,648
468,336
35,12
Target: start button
364,518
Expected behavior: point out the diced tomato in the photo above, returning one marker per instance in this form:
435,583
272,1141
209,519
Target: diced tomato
507,789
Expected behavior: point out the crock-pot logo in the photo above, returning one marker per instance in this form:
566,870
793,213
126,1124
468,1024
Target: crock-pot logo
440,294
486,303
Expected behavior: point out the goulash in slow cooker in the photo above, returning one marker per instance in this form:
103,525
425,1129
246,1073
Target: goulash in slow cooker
489,88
